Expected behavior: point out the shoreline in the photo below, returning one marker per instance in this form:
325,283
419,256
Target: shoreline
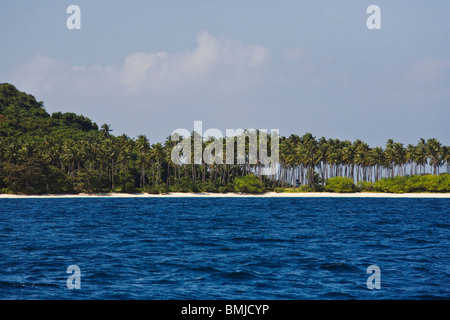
234,195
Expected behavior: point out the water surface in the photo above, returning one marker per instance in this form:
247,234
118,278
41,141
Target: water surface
224,248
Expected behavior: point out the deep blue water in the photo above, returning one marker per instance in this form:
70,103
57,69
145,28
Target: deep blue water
224,248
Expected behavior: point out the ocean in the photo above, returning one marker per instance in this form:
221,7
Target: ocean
224,248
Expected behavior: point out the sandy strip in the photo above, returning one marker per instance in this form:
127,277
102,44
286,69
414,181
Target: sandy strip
231,195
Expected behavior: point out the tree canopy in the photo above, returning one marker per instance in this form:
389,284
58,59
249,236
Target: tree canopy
68,153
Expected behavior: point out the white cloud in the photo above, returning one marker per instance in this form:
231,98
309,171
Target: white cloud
137,67
216,65
223,61
43,75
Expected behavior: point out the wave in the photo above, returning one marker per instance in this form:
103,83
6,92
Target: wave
23,284
338,266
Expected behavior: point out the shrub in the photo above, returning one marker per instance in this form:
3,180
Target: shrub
340,184
392,185
162,189
444,182
223,189
208,186
365,186
424,183
87,181
124,182
150,190
248,184
300,189
185,184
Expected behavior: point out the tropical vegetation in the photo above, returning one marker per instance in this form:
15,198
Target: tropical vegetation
68,153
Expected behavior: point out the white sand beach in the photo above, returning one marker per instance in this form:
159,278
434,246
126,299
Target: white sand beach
230,195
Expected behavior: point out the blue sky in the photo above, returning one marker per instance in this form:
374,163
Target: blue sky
151,67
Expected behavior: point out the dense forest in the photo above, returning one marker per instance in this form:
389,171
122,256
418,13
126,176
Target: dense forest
68,153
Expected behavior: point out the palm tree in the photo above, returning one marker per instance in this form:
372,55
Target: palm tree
433,150
105,130
348,158
390,157
158,155
143,149
421,157
168,146
411,157
400,158
322,158
361,158
377,160
70,156
446,157
335,157
309,152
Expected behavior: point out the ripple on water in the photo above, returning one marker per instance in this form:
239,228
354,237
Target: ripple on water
225,248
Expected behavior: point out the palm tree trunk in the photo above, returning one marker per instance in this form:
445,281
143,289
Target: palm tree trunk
112,174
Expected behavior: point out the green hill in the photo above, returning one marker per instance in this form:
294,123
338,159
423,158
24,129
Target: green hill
20,114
